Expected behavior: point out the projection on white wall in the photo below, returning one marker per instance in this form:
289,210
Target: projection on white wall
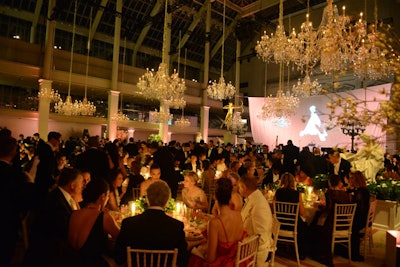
314,126
310,126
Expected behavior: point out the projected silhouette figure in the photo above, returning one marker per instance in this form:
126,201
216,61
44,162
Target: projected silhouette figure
314,125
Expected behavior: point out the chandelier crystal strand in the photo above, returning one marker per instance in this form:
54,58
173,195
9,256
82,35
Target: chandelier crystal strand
221,90
87,108
182,122
49,94
69,107
278,47
369,61
336,41
160,85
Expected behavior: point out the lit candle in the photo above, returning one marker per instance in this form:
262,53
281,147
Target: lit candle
178,208
310,190
133,208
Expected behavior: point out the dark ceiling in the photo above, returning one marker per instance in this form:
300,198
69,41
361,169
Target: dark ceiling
142,24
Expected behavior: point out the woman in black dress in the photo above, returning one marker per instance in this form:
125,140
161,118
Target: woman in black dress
287,193
322,225
358,188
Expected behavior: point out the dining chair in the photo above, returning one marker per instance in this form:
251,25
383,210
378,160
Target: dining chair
342,225
276,225
367,231
136,193
151,258
246,255
287,214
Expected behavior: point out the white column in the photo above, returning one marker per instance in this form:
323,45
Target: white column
44,108
163,130
205,117
112,110
204,111
131,133
113,94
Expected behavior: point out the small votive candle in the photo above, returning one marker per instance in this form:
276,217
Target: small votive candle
310,190
133,208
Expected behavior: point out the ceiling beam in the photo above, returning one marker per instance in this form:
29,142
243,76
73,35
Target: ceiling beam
258,6
37,13
229,30
145,30
97,19
192,26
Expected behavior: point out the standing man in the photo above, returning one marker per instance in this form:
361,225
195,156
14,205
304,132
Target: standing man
164,158
290,156
47,171
337,165
257,217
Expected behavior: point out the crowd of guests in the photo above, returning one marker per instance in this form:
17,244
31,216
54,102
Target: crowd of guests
68,190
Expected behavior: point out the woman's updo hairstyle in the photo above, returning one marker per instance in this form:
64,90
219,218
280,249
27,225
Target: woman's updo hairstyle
223,191
94,190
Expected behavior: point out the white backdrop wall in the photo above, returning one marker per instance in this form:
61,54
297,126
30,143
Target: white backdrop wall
266,132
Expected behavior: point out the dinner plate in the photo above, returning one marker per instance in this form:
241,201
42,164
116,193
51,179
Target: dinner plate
193,235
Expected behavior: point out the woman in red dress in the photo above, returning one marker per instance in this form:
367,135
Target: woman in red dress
223,232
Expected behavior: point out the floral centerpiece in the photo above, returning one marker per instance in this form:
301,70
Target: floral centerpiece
385,189
320,181
142,204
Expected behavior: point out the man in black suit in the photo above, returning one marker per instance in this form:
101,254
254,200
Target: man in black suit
164,158
17,193
49,238
290,156
47,170
153,229
338,165
212,151
94,159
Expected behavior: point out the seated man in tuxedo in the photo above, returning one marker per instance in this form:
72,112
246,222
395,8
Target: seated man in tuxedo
153,229
49,245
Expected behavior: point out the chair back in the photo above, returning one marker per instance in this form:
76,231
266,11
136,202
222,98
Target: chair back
371,214
136,193
275,232
287,214
343,218
151,258
246,254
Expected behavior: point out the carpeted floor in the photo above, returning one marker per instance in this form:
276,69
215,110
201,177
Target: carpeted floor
376,258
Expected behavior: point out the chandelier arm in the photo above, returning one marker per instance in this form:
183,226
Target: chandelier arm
88,50
266,79
281,13
165,31
72,48
223,41
179,51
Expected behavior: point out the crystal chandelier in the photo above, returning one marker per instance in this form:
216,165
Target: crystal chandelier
49,94
182,122
237,125
160,116
336,41
369,61
166,88
282,106
306,87
120,116
278,47
221,90
69,107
